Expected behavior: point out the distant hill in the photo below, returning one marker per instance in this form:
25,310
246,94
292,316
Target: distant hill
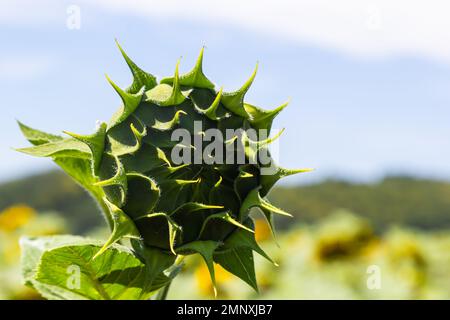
405,201
419,203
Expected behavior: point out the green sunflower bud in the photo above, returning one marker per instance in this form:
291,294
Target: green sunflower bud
179,196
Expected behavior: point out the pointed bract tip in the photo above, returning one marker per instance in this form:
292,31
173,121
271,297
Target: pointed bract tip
256,69
72,134
122,51
113,84
249,82
117,44
176,79
284,105
288,172
217,184
199,63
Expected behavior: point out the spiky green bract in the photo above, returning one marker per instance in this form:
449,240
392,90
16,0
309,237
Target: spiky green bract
168,208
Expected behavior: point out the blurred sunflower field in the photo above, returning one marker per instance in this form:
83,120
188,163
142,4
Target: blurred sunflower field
333,260
372,250
16,221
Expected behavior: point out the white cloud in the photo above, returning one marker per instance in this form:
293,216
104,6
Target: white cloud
363,28
357,27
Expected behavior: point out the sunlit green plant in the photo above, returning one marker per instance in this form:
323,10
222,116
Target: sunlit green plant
168,210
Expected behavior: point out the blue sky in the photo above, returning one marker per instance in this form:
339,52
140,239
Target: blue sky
369,85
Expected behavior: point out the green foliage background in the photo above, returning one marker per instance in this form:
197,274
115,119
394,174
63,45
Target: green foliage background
339,229
412,202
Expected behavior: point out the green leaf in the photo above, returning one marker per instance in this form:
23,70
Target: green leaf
32,249
142,195
130,103
252,148
239,261
192,207
210,112
234,101
60,148
246,181
95,142
177,192
168,125
243,238
223,216
173,230
195,77
166,95
269,217
79,168
123,227
37,137
262,119
269,180
140,77
221,194
156,261
190,216
254,199
236,254
62,267
113,179
126,137
206,250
